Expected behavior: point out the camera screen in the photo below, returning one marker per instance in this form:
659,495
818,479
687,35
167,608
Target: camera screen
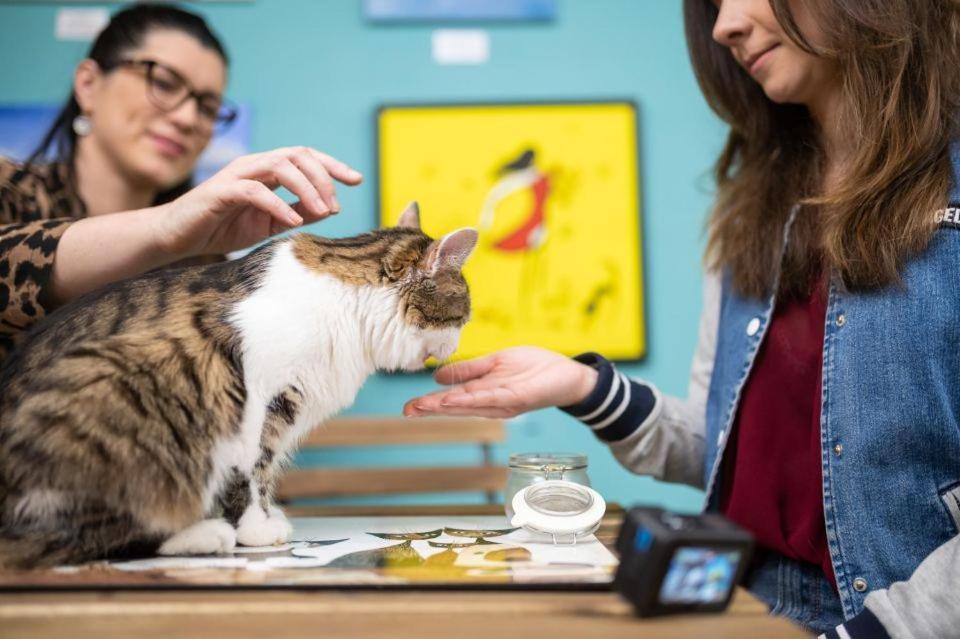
699,576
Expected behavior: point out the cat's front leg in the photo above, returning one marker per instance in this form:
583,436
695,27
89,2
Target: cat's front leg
265,474
263,523
241,503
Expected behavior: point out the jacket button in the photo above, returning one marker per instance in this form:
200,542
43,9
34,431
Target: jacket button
860,584
753,326
838,449
841,320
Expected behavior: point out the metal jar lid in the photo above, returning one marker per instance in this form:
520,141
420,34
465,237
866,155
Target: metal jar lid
552,462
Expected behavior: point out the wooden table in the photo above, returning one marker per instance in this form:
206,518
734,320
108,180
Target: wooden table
389,613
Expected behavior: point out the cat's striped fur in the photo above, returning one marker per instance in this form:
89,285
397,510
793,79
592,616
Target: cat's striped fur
155,414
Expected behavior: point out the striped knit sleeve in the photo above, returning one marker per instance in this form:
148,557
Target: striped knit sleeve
617,406
864,626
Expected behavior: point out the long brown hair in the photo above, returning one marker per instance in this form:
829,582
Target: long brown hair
900,102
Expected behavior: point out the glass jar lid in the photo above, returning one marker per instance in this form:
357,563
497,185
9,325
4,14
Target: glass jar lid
548,461
558,507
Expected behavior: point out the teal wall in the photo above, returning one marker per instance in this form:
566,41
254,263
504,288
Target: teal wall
314,71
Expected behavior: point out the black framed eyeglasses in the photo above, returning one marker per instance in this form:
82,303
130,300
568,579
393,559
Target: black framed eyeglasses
168,90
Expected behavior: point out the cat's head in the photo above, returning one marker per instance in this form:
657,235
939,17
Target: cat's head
433,297
412,298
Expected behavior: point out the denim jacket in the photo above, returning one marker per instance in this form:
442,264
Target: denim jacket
889,426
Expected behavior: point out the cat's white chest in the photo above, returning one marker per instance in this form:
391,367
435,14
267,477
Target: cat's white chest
286,342
301,327
299,330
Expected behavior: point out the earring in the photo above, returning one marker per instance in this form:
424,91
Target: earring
82,125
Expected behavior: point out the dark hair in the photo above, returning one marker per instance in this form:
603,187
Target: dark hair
900,102
126,31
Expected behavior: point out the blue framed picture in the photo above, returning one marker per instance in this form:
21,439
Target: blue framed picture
459,10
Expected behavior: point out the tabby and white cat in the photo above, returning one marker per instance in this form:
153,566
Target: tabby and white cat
154,415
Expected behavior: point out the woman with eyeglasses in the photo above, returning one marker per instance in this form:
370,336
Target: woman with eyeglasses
107,194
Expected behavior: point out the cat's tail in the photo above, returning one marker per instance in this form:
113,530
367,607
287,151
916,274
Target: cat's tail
108,536
20,551
21,547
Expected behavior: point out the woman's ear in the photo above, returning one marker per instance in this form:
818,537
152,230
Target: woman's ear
86,81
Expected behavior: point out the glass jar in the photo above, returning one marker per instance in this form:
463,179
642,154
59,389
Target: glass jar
527,469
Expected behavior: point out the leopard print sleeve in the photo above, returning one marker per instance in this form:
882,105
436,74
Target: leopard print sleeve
36,207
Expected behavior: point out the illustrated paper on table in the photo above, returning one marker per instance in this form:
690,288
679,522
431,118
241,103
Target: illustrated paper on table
380,551
554,191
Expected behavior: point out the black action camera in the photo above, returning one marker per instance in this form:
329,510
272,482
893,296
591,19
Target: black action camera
672,563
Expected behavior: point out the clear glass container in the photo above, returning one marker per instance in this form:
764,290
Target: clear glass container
527,469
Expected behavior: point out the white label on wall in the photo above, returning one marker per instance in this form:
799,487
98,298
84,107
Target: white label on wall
80,24
461,46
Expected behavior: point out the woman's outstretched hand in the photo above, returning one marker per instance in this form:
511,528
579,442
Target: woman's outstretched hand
506,383
237,207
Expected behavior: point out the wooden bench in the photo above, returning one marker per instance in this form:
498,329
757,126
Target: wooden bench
348,432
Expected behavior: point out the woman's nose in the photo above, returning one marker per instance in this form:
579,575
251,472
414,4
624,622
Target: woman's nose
733,23
187,116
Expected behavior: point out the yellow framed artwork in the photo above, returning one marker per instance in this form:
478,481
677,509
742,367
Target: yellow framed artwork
554,191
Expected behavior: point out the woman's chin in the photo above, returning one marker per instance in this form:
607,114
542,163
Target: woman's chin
781,93
161,176
161,170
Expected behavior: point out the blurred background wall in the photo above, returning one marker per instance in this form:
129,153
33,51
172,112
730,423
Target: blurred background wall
314,72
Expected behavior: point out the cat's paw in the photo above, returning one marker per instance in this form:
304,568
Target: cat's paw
207,537
275,512
256,529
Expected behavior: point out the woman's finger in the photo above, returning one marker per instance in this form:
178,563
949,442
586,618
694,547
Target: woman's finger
248,165
273,169
307,214
430,401
461,398
289,175
485,384
315,171
460,372
256,194
415,410
338,169
499,397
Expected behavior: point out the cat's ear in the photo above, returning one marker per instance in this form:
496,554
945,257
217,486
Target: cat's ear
451,250
410,218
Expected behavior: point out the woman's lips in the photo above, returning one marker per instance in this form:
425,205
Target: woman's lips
761,59
168,147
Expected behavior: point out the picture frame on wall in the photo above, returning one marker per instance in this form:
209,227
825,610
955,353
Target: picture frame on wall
553,189
387,11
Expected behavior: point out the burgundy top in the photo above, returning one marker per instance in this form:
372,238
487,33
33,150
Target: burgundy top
772,481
